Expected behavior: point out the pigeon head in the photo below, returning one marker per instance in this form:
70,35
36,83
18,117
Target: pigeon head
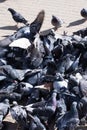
53,17
6,101
56,22
55,91
80,105
83,10
84,13
74,105
11,10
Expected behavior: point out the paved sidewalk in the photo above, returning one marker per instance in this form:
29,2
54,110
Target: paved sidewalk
68,10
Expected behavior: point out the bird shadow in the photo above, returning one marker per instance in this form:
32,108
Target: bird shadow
9,28
5,36
1,1
77,22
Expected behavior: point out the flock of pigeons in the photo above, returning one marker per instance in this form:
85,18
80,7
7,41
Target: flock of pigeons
43,76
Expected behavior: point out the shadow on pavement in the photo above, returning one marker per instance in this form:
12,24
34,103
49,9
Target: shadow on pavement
77,22
9,28
1,1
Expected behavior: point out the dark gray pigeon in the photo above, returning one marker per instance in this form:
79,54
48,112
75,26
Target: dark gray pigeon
4,109
35,124
15,96
17,16
69,119
83,87
45,111
9,88
25,88
61,106
82,106
82,109
19,114
56,22
10,72
74,65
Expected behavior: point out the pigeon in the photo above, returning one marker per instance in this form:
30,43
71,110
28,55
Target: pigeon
34,96
28,31
9,71
58,85
35,57
35,124
84,13
25,88
9,88
37,104
82,106
56,22
5,42
3,52
51,68
17,16
19,114
82,32
23,32
14,96
57,51
74,80
46,74
74,65
61,106
83,87
70,119
4,109
45,111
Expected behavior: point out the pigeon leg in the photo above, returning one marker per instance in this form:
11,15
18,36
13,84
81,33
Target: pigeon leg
17,25
18,127
1,125
1,119
55,28
72,127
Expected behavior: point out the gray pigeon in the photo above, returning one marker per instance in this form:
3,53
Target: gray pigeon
35,124
19,114
45,111
4,109
56,22
17,16
69,119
